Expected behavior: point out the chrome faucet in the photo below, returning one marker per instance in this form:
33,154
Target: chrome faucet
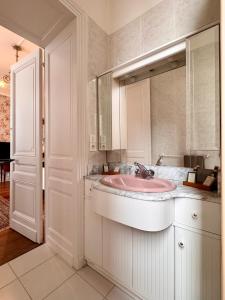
142,172
159,161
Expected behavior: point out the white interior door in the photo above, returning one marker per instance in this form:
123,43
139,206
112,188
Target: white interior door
138,121
61,142
26,134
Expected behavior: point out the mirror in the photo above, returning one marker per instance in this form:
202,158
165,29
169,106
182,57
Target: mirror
203,95
105,111
170,109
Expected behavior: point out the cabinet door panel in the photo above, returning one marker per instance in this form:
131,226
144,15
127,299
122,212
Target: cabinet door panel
117,251
153,264
203,90
93,234
197,266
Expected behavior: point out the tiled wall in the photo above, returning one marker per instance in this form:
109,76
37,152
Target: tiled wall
4,119
167,21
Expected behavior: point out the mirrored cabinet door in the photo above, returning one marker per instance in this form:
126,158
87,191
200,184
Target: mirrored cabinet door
203,92
105,111
111,112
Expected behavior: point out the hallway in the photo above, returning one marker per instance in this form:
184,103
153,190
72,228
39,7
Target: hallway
12,244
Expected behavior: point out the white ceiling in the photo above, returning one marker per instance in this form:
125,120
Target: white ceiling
8,54
38,21
112,15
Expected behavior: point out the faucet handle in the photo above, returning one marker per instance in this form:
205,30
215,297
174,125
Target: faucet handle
151,172
137,172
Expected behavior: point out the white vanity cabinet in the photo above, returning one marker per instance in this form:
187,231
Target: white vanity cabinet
153,264
93,229
197,266
181,262
117,251
197,250
140,261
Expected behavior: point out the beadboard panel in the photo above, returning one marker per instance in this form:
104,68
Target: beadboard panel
197,266
117,251
153,264
93,234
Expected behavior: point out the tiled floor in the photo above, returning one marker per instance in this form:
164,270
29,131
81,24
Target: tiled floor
39,274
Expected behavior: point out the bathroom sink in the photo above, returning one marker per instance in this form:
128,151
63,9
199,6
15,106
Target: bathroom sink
137,184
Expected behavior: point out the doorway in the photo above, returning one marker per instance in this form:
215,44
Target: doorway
62,33
13,48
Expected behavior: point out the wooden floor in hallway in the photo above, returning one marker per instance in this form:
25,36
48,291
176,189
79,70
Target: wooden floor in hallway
5,189
12,243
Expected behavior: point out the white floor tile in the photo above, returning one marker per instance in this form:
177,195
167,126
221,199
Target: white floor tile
6,275
75,289
42,280
101,284
117,294
14,291
31,259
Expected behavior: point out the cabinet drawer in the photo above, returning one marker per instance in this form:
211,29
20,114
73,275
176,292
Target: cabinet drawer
198,214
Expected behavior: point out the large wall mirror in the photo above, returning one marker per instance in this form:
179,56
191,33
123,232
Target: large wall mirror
169,111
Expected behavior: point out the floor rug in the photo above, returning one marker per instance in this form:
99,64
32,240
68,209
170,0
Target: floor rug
4,213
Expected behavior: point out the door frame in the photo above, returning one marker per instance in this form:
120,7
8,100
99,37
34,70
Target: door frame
81,29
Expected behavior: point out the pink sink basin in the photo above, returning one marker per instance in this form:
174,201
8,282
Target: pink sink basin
137,184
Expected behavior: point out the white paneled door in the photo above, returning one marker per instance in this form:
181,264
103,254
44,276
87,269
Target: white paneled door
61,142
26,135
137,98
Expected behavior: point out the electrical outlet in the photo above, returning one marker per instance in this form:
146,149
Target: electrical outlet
93,142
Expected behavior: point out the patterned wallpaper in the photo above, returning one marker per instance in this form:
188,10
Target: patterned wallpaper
4,119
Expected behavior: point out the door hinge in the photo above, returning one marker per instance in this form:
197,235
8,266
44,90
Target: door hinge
43,64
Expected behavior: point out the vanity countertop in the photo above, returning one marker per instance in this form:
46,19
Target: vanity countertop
180,192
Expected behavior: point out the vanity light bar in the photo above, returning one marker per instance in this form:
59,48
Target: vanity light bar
150,60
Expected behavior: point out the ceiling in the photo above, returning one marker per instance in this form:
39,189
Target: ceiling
38,21
8,54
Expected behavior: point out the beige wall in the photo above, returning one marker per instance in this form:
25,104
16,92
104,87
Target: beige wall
123,12
112,15
98,10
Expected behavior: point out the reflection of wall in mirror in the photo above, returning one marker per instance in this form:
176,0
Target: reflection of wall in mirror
156,119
